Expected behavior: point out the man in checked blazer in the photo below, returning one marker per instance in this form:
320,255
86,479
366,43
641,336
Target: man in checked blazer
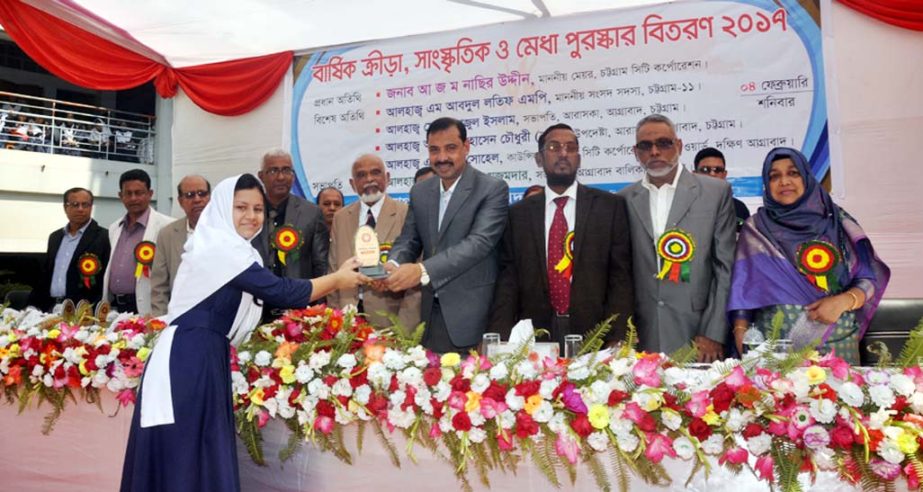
598,276
456,223
668,313
375,209
62,278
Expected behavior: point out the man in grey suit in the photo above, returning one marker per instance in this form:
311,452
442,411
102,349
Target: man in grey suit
456,223
193,193
683,239
285,209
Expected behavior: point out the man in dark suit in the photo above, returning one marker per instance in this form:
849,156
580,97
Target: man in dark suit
710,162
81,242
284,209
566,253
456,223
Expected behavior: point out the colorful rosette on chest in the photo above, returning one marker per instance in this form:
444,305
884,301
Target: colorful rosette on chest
144,256
287,242
88,264
676,248
816,260
566,265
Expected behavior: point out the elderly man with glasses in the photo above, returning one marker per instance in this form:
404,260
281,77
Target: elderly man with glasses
192,193
683,238
710,162
77,255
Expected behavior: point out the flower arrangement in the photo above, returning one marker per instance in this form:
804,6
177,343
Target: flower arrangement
320,369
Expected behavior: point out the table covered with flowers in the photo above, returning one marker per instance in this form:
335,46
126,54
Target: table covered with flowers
324,402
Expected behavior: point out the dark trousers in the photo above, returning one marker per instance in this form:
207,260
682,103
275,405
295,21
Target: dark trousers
436,336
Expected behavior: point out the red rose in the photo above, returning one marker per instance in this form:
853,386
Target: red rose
409,399
616,397
325,408
432,376
525,426
721,397
377,405
699,429
394,384
461,422
900,403
296,392
437,408
496,392
841,437
359,379
329,380
581,425
825,391
752,430
526,389
461,384
669,401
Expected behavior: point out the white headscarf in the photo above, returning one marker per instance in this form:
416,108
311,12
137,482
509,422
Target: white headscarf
213,256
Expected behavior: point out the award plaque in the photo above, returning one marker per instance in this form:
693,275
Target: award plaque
368,252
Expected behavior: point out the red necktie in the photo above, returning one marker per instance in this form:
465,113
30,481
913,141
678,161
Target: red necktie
558,283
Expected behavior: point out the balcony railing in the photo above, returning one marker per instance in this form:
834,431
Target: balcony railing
37,124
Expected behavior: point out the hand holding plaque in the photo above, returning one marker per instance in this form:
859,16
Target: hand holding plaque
368,252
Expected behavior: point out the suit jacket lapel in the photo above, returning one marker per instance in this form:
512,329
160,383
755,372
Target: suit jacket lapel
584,206
387,219
459,196
292,211
686,193
641,198
537,229
88,236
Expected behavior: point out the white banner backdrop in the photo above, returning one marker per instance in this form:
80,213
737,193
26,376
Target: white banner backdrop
743,77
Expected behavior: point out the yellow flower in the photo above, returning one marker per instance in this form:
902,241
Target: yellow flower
532,403
81,351
143,353
4,353
599,416
450,359
287,373
83,368
653,403
119,344
816,375
907,443
710,417
353,407
474,401
52,334
256,396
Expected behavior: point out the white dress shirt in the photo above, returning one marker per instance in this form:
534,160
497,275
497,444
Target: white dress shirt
364,211
570,209
661,201
444,197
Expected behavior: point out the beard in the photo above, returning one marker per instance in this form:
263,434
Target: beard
564,180
370,198
661,172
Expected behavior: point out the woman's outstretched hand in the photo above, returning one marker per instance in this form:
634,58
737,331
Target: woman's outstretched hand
348,275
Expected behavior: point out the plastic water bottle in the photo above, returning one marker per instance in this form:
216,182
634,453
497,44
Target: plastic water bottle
753,338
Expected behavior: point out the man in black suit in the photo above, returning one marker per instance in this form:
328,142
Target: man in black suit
710,162
285,209
76,256
566,251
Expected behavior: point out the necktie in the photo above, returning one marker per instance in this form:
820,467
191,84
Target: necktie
370,219
558,283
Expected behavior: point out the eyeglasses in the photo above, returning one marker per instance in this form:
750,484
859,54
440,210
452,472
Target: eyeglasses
79,204
189,195
661,143
569,147
284,171
711,170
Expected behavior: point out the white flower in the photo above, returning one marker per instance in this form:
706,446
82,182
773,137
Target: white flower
620,367
514,401
347,361
816,437
507,419
526,369
480,383
714,445
544,412
81,336
903,384
499,371
823,410
397,398
881,395
393,360
318,388
263,358
557,423
627,442
683,447
851,394
319,360
423,400
379,376
599,441
890,452
100,379
417,356
671,420
342,388
736,420
4,340
303,373
647,400
477,435
239,383
674,375
244,357
136,342
823,457
442,391
362,394
578,372
599,392
546,389
916,402
476,418
48,380
285,411
878,418
38,370
759,444
411,376
402,419
271,405
876,377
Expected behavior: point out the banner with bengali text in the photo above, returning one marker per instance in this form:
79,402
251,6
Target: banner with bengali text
741,76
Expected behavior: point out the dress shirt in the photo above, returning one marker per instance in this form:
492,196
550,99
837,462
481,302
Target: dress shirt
570,209
661,201
63,259
364,211
122,271
444,197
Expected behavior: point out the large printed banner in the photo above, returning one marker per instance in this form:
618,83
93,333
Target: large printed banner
743,77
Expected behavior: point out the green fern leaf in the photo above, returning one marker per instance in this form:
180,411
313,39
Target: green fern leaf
913,348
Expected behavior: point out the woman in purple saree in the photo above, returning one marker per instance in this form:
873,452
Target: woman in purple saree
803,255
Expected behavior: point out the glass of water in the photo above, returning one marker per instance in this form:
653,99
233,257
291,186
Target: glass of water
489,342
572,344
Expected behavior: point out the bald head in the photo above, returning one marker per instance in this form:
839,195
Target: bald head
369,178
193,193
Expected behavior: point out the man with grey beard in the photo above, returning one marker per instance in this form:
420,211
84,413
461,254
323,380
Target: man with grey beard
377,210
683,237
